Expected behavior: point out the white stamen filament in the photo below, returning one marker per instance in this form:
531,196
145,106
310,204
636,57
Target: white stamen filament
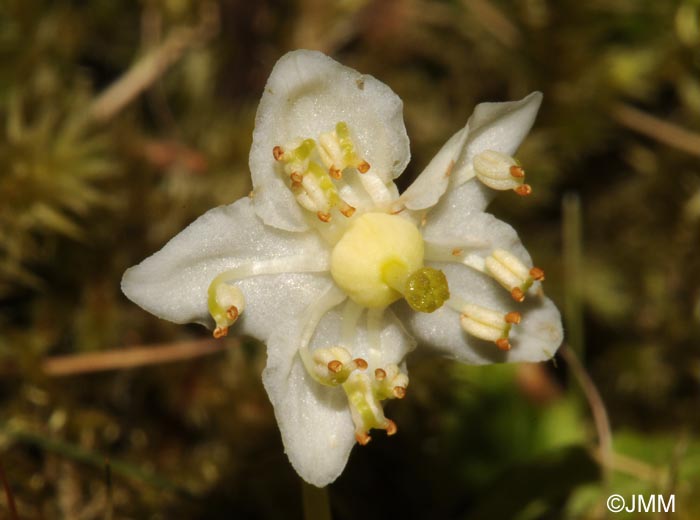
312,316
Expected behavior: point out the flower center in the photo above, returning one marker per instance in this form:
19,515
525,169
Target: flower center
379,259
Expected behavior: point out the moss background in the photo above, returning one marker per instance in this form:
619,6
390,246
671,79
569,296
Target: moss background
91,183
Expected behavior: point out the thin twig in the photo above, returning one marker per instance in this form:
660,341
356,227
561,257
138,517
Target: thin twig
153,65
132,357
658,129
8,494
317,505
629,466
595,401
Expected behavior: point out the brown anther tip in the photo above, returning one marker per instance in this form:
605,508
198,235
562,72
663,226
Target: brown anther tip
296,177
360,363
232,313
335,366
537,273
362,439
518,294
277,153
391,428
523,190
513,317
363,167
503,344
379,374
457,251
220,332
335,173
517,172
323,217
348,211
399,392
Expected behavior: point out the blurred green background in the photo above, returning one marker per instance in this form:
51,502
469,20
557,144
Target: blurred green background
121,122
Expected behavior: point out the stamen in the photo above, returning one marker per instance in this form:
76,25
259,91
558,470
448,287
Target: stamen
488,324
332,366
335,366
537,274
511,273
500,172
365,396
523,190
225,303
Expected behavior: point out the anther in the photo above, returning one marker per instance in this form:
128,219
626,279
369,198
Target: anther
296,178
347,210
509,271
363,167
488,324
391,428
500,172
523,190
323,216
517,172
457,251
360,363
399,392
335,173
362,438
277,153
503,344
232,313
335,366
513,317
379,374
537,273
225,303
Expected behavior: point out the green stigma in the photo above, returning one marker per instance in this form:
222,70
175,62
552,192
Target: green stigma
426,289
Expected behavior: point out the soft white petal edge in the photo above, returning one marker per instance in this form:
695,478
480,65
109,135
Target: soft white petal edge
500,127
306,94
172,283
432,182
314,420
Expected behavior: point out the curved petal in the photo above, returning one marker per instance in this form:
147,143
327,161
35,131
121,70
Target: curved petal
315,420
536,338
173,283
500,127
306,95
449,216
432,182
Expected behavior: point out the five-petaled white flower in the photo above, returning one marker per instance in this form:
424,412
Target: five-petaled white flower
338,273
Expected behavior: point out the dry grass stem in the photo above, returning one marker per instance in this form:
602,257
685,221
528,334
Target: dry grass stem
595,401
657,129
153,65
132,357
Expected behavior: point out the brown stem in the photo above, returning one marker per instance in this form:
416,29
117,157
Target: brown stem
132,357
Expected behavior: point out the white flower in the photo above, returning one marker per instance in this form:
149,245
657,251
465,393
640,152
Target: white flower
339,274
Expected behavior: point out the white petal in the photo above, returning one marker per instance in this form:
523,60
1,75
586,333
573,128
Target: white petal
315,421
536,338
429,186
173,282
450,216
500,127
306,95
